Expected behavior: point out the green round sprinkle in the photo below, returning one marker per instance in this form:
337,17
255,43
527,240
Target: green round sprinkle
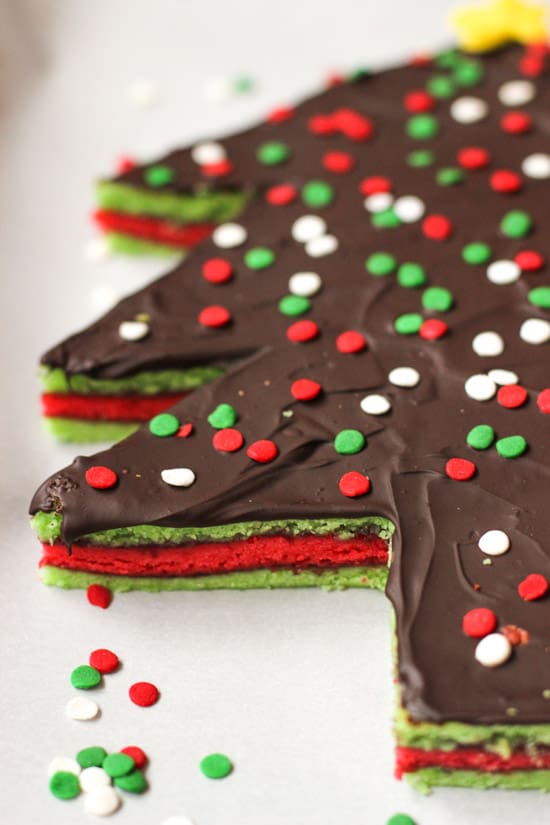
441,86
512,446
91,757
85,677
216,766
133,782
411,275
386,219
408,324
476,253
348,442
223,416
358,74
273,152
516,224
159,175
468,72
422,127
243,84
400,819
420,158
164,425
437,298
64,785
259,258
540,296
449,176
294,305
317,193
448,59
481,437
380,263
118,764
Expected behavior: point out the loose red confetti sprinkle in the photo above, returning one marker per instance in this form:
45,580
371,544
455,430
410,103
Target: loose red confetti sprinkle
280,114
512,396
321,125
473,157
374,184
125,164
479,622
418,101
137,754
460,469
334,79
281,195
437,227
338,162
354,484
433,329
104,660
533,587
505,181
531,65
350,341
143,694
214,316
305,390
228,440
529,261
543,401
100,478
516,123
302,331
185,430
217,170
99,596
217,270
262,451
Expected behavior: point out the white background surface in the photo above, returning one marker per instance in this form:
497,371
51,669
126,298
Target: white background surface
294,686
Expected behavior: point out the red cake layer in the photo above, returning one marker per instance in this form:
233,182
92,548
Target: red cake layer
409,760
107,407
298,552
156,230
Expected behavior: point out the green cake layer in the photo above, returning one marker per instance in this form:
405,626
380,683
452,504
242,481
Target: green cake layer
149,382
80,430
427,778
130,245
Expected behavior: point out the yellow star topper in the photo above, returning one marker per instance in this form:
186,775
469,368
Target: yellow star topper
482,28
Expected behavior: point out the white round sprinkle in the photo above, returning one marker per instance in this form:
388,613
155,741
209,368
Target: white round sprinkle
488,344
308,227
63,763
375,405
81,708
96,249
516,92
143,93
208,152
409,208
378,202
133,330
404,377
324,245
468,109
535,331
217,88
494,543
304,283
503,272
92,778
177,820
102,801
503,377
493,650
480,387
229,235
178,476
536,166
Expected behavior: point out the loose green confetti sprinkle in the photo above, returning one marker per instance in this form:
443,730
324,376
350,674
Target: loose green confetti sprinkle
216,766
468,73
380,263
243,84
477,253
387,219
441,86
159,175
64,785
481,437
273,152
294,305
85,677
422,127
400,819
448,59
118,764
411,275
223,416
408,324
421,158
317,193
358,74
540,296
164,425
133,782
259,258
487,562
92,757
546,693
349,442
516,224
449,176
512,446
437,298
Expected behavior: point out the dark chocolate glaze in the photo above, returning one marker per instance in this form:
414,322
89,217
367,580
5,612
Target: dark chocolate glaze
438,572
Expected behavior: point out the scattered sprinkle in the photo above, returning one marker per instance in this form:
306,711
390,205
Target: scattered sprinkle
102,801
85,677
493,650
178,476
216,766
375,404
64,785
533,587
460,469
404,377
512,446
104,660
494,543
99,596
263,451
81,709
479,622
100,478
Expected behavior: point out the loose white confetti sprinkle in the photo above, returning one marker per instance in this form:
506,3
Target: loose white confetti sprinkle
178,476
378,202
208,152
92,778
494,543
375,404
535,331
229,235
488,344
409,208
81,708
324,245
304,283
503,272
102,801
468,109
63,763
480,387
177,820
404,377
503,377
143,93
307,227
96,249
536,166
493,650
133,330
516,92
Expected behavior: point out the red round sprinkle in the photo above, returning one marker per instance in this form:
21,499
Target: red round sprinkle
460,469
262,451
217,270
374,184
418,101
437,227
529,261
420,61
538,49
350,341
104,660
100,478
143,694
531,65
338,162
214,316
479,622
302,331
352,124
516,123
354,484
433,329
228,440
321,125
533,587
512,396
280,114
334,79
505,181
473,157
543,401
125,164
281,195
305,390
217,170
99,596
185,430
137,754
